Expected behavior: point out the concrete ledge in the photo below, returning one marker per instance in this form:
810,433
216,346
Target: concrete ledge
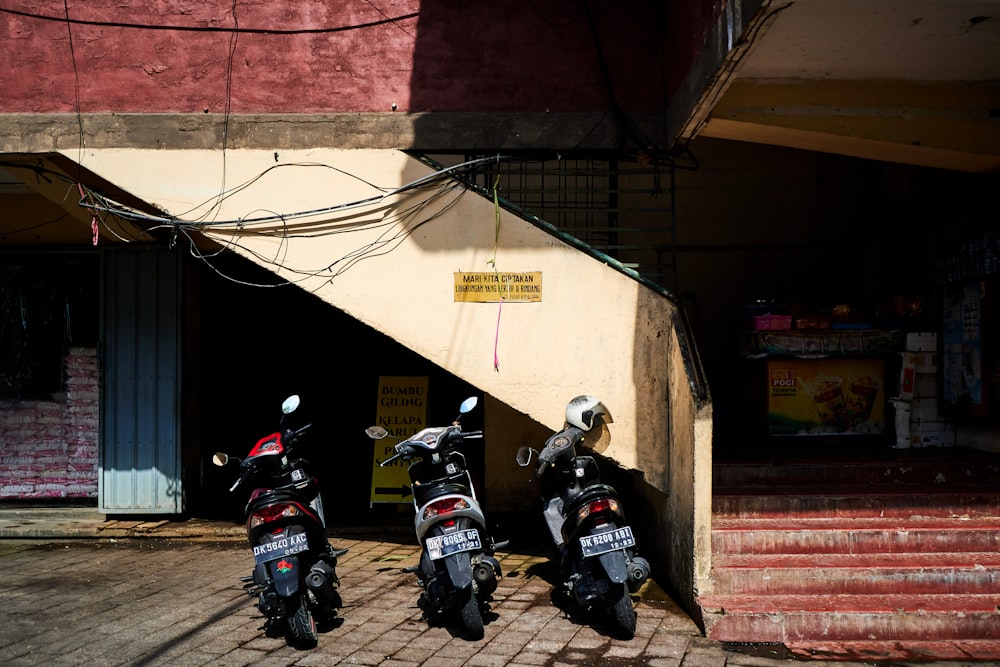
434,132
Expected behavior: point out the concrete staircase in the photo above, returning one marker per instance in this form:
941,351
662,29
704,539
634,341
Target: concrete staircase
889,556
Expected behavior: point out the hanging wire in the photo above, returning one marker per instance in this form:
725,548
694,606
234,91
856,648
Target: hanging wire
397,226
396,211
108,205
76,91
204,28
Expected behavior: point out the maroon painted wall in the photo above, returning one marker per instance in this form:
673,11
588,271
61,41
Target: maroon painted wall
440,55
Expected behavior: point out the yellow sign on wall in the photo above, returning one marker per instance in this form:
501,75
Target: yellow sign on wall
490,287
402,410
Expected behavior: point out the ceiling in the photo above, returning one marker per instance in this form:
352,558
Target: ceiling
40,199
914,82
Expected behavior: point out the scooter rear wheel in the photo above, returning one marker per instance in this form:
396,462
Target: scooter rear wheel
301,627
623,614
472,619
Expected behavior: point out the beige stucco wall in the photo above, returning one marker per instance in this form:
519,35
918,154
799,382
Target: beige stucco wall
391,263
595,331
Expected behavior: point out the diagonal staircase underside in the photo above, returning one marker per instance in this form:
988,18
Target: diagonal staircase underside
894,556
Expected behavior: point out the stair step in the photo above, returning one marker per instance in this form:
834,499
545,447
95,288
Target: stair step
791,618
826,581
856,574
854,604
791,535
912,651
983,473
858,558
853,503
868,561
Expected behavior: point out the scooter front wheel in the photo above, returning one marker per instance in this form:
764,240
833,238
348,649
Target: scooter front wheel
301,627
470,616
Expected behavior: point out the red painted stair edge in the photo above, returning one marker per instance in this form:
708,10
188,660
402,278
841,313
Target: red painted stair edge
895,560
986,650
977,603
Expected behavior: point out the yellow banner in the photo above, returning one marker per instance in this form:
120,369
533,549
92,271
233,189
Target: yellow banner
402,410
490,287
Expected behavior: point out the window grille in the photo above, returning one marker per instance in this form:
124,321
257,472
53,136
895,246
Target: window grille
621,208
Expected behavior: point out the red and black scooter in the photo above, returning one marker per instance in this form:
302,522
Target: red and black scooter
295,576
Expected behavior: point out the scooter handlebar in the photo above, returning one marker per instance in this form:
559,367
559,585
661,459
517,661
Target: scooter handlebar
389,460
239,480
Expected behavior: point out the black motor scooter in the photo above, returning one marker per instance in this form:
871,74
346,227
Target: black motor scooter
457,571
295,577
598,560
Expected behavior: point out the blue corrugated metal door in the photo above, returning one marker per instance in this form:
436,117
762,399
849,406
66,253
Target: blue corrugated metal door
140,413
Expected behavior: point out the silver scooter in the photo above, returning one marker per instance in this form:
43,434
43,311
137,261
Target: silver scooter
457,571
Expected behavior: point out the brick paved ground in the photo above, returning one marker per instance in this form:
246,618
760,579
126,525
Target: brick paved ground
179,602
151,602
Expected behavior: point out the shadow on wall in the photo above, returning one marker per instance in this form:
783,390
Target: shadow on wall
260,345
473,57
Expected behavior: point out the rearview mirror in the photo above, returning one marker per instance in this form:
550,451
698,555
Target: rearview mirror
220,458
523,456
465,407
290,405
376,432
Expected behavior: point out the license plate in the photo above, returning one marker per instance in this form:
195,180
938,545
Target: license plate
280,546
612,540
440,546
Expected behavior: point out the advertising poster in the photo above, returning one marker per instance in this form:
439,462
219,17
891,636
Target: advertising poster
402,410
963,347
831,396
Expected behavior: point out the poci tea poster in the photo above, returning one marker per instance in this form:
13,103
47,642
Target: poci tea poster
826,396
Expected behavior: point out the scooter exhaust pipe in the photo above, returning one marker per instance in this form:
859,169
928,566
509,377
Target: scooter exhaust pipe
319,576
485,574
638,572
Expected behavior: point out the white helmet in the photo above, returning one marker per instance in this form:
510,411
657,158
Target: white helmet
584,411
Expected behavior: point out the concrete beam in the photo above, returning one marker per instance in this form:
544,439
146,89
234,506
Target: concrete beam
949,126
436,132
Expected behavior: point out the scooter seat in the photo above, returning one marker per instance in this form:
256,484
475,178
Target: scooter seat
263,498
587,495
424,493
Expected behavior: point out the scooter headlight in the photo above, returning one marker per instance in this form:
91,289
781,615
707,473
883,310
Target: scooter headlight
602,505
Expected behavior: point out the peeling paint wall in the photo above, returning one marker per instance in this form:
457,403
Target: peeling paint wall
311,57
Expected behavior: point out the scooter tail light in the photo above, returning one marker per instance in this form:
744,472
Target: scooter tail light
272,513
444,506
596,506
